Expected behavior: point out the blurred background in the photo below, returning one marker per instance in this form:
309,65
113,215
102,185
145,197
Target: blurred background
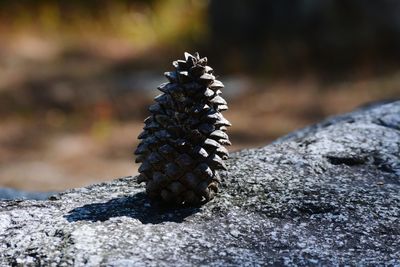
76,77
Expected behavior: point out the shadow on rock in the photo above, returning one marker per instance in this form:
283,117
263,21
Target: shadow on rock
137,206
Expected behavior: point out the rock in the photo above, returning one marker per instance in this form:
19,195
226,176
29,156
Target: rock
324,195
9,193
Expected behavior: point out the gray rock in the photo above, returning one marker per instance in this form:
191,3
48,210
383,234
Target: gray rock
10,193
325,195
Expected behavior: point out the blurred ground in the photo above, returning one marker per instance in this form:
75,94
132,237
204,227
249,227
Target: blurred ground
72,104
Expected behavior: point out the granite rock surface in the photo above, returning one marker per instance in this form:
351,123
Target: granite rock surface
326,195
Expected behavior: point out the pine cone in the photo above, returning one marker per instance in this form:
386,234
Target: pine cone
181,148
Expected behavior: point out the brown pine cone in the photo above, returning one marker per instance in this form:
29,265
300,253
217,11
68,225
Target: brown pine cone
182,144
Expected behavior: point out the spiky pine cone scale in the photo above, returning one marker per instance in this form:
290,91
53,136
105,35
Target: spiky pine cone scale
182,144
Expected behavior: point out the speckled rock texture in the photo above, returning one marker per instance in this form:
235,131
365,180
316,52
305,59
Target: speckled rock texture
327,195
